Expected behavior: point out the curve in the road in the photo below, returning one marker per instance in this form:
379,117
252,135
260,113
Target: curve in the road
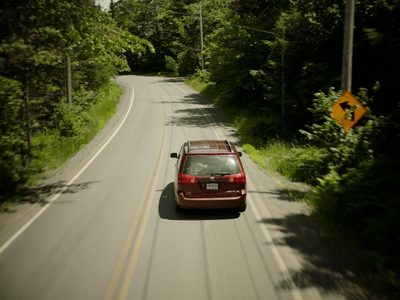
29,223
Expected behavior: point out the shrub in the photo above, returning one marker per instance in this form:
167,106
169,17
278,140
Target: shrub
70,120
359,193
73,121
171,64
203,75
76,125
307,164
347,149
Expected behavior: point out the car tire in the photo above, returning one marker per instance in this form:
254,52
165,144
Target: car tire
242,208
178,208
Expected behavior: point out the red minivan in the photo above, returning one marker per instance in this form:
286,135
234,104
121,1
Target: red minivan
209,174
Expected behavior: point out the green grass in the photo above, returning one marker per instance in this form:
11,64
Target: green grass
269,157
208,90
52,151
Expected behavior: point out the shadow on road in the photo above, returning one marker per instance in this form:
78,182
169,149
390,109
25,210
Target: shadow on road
193,117
323,268
172,79
203,115
199,112
40,193
188,99
166,209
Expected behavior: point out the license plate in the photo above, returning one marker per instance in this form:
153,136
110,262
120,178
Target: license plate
212,186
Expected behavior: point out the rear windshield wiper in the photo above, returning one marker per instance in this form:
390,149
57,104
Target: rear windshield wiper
220,174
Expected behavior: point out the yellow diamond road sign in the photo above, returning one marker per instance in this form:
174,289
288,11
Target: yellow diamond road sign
344,111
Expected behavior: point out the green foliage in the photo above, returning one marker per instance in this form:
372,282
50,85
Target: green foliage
70,120
347,149
36,37
11,134
363,204
271,156
256,126
358,187
153,21
171,64
173,28
54,146
187,61
37,44
208,89
298,163
306,164
225,56
203,76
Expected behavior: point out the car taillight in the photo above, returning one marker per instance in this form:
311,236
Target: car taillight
186,178
237,178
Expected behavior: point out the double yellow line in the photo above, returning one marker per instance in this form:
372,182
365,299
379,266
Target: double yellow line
144,211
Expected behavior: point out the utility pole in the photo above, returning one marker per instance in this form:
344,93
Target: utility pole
69,81
28,123
201,37
347,61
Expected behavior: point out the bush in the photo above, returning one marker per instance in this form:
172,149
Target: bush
187,62
91,111
307,164
203,76
346,148
171,64
73,121
70,120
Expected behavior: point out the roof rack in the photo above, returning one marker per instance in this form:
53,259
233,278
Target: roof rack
188,146
229,145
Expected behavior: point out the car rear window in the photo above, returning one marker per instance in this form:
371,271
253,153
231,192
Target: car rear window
200,165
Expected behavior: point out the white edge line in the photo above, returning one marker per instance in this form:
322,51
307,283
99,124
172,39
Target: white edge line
295,292
281,264
19,232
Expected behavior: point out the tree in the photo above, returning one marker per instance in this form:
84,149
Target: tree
36,36
150,20
11,134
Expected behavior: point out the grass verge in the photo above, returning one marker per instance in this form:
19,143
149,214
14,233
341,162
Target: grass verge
52,150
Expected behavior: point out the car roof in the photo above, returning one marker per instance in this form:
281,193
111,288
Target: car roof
209,147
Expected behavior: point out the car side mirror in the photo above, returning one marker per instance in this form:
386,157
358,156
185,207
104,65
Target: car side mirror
240,154
174,155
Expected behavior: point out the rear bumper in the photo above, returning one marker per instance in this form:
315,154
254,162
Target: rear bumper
200,203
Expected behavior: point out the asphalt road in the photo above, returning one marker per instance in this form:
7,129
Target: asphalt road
108,228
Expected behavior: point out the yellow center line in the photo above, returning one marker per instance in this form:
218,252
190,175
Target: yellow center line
123,257
136,249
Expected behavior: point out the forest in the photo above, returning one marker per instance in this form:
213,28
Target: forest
274,68
37,38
